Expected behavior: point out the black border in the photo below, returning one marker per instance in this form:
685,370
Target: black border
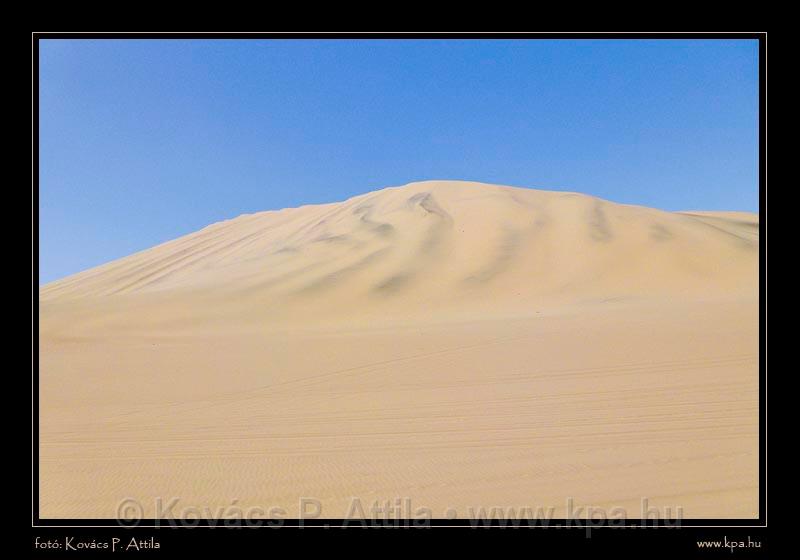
45,526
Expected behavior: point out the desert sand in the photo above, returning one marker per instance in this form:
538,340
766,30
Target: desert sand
459,345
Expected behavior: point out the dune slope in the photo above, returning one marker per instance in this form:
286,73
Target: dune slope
458,344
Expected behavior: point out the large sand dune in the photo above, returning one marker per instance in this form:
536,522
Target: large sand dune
457,344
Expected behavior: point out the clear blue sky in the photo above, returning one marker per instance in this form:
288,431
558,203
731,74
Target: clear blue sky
144,141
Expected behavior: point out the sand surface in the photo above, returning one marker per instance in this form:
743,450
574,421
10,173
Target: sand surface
458,345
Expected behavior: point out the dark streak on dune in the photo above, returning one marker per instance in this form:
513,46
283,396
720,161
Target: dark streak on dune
506,251
333,278
426,201
282,278
738,240
660,233
332,239
434,238
384,230
437,231
364,212
519,201
599,228
393,283
429,246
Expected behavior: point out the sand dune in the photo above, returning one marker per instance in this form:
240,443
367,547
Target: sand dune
459,344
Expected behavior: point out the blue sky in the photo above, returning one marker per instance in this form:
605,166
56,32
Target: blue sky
144,141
